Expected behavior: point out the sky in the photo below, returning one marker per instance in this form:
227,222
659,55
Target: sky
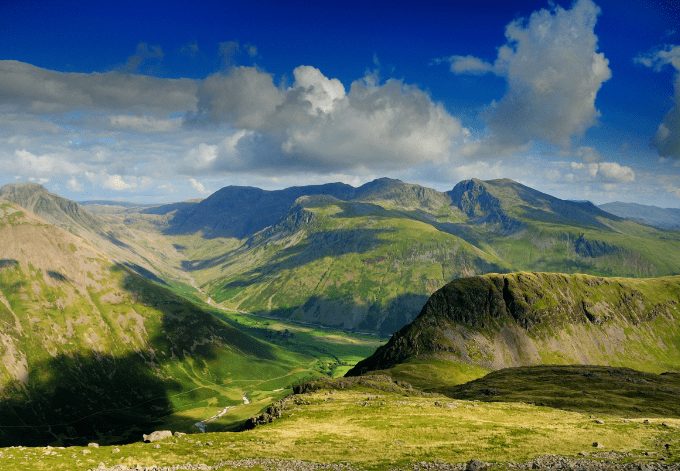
165,101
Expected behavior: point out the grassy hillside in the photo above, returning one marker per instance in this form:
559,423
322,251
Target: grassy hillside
374,424
351,265
92,350
478,324
367,258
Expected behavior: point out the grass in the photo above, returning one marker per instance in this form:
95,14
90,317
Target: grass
620,392
379,428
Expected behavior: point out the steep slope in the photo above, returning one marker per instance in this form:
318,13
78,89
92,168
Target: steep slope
143,251
497,321
50,207
91,350
349,264
369,261
237,211
663,218
366,258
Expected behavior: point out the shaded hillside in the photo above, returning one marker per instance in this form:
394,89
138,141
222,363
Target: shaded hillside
499,321
663,218
590,389
367,258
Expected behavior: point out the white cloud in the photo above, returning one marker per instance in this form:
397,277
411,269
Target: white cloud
321,92
198,186
31,88
117,183
245,98
553,71
588,154
607,172
28,164
74,185
667,138
315,125
470,65
144,123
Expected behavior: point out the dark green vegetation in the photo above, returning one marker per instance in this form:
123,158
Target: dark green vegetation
589,389
663,218
485,323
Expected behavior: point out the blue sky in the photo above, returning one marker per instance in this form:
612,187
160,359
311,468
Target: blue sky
274,94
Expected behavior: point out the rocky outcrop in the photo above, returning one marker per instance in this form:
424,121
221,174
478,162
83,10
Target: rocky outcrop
157,436
473,198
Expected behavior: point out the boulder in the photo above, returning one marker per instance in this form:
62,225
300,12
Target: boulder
156,436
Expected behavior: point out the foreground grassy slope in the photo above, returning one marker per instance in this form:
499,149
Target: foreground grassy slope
91,350
355,424
478,324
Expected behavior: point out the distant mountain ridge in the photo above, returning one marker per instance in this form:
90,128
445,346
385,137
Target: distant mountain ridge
663,218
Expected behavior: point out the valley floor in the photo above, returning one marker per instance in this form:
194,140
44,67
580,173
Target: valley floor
374,423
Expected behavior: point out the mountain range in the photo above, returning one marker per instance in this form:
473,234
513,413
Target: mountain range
367,258
663,218
121,318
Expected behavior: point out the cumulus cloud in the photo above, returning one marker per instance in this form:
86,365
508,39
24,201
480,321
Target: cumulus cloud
606,172
470,65
667,138
245,97
553,72
117,183
105,126
74,185
316,125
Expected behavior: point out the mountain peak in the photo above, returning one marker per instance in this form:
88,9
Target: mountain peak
52,208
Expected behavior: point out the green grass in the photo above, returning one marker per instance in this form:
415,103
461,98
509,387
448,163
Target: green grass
378,426
619,392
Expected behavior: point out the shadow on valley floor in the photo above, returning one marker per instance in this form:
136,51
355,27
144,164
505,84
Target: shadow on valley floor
80,396
621,392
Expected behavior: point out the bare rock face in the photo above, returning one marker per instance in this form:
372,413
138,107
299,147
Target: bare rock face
157,435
